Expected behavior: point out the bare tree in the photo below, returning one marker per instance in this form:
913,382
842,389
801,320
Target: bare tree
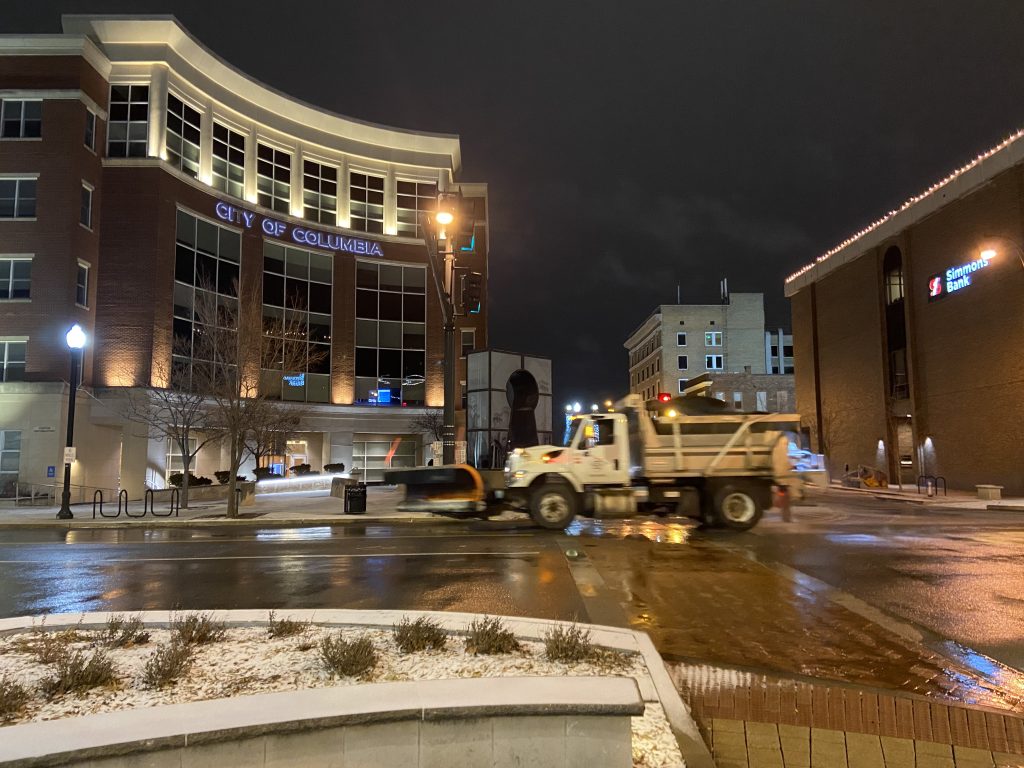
233,343
430,421
269,436
173,413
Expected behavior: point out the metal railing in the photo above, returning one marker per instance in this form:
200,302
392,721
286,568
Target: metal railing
48,494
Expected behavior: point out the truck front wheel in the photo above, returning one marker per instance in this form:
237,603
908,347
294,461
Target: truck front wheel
737,507
553,505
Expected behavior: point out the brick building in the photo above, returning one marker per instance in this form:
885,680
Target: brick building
908,337
139,172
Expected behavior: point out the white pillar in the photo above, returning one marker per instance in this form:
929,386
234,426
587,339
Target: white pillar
250,166
390,204
344,198
206,144
296,207
158,112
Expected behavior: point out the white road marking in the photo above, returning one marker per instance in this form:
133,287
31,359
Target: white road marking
290,556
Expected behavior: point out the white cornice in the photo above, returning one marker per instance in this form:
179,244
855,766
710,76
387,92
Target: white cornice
55,45
161,39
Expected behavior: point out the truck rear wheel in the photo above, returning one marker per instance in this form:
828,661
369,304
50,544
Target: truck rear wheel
553,505
737,507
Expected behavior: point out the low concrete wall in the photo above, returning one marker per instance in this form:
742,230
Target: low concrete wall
216,492
476,722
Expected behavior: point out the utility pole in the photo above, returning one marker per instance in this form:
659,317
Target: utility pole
444,283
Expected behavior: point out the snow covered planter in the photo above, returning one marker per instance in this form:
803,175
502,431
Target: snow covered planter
242,688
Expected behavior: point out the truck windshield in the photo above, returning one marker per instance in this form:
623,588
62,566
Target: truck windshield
574,427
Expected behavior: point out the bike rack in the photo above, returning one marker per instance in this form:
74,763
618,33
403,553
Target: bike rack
129,514
172,510
937,481
97,496
122,497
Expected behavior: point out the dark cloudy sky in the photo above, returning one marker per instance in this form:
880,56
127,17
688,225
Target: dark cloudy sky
631,146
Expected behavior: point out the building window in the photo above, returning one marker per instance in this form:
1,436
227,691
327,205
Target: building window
13,360
320,192
414,198
17,198
228,160
713,339
782,401
737,401
894,283
174,463
682,385
297,298
90,130
714,362
366,207
85,215
681,360
787,350
82,285
390,333
720,396
373,454
762,401
468,340
21,119
183,136
680,339
10,462
273,178
15,278
128,126
206,268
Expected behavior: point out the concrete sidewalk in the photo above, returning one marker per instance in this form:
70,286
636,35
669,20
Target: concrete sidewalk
910,495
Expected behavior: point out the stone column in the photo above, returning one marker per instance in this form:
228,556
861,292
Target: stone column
250,166
390,204
158,112
344,198
296,207
206,144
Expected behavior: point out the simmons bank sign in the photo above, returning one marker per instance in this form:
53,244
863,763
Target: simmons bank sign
300,235
955,279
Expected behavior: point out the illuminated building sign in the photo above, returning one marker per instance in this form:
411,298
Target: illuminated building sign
954,279
301,235
298,380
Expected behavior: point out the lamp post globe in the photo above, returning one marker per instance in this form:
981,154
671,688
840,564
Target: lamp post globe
75,338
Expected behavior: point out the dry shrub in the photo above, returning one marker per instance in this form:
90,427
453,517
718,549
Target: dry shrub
49,647
169,663
569,644
124,632
13,698
489,635
419,635
76,673
197,629
345,658
286,627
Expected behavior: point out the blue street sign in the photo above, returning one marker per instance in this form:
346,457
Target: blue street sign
51,471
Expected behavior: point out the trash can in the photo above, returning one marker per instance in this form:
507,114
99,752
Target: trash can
355,499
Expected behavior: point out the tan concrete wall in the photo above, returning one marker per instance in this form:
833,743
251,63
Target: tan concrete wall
804,361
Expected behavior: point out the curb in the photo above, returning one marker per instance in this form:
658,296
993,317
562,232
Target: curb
258,522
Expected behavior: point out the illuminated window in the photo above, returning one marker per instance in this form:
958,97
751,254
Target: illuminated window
128,126
15,278
714,362
320,192
273,178
713,339
297,300
366,202
21,119
183,136
12,358
17,198
174,462
390,333
414,198
228,160
894,284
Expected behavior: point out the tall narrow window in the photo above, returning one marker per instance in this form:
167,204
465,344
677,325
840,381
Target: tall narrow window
320,192
273,178
183,136
82,285
10,462
762,401
12,358
414,198
737,401
894,282
468,341
17,198
85,215
21,119
682,360
90,130
228,160
681,339
682,385
15,278
128,126
366,207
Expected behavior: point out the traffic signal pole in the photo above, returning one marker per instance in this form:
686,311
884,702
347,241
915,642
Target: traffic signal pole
444,283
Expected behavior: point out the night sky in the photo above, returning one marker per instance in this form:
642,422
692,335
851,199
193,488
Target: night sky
631,147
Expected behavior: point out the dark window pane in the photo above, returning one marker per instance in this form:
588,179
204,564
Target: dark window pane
366,362
415,306
319,358
366,275
184,265
320,329
390,306
390,363
273,289
227,278
366,304
319,298
413,364
206,271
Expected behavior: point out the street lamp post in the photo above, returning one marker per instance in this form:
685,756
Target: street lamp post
76,341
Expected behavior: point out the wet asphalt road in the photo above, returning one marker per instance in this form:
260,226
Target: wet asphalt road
737,600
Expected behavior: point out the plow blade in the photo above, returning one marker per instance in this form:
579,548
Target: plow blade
455,489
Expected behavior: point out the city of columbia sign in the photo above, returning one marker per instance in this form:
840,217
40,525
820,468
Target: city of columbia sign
954,279
300,235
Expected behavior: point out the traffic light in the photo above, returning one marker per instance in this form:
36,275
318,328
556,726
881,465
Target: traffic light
464,236
664,397
472,293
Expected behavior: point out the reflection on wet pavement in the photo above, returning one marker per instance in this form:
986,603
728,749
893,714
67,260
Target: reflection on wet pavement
712,601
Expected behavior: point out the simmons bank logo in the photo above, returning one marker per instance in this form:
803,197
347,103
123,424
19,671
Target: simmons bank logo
955,279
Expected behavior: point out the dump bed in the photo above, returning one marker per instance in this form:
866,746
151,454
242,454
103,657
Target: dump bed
700,436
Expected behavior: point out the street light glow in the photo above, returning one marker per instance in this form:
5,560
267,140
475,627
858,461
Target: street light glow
444,218
576,407
989,253
75,337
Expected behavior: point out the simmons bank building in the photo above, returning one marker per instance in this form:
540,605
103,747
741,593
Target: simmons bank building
138,171
909,337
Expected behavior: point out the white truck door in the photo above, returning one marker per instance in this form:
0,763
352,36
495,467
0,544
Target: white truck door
602,458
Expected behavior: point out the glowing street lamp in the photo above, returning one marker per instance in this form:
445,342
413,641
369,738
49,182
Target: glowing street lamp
75,339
